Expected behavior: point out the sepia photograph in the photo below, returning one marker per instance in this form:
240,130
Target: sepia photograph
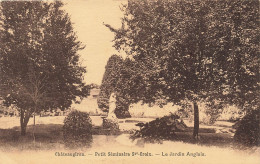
129,82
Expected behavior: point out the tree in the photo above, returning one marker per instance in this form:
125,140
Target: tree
109,81
129,87
40,67
179,44
236,25
120,77
166,39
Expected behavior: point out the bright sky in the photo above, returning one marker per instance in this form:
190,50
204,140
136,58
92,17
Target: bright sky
88,17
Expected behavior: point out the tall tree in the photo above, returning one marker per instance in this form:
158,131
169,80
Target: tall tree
121,78
40,67
179,46
109,81
129,87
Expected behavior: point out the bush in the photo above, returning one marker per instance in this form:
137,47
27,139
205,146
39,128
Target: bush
248,131
77,129
111,126
161,128
122,113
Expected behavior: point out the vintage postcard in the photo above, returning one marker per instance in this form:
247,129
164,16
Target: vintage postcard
129,81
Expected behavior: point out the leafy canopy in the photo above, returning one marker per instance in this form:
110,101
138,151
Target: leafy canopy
39,63
193,49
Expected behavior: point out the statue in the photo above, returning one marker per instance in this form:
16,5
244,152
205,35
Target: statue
112,107
111,121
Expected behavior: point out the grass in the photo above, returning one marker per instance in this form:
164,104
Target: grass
50,136
49,139
46,137
207,139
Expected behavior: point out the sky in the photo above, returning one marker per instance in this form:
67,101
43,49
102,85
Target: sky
88,17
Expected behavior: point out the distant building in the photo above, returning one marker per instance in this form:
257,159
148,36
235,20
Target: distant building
94,93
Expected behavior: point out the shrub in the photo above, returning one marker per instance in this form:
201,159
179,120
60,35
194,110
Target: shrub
161,128
248,131
77,129
122,113
111,126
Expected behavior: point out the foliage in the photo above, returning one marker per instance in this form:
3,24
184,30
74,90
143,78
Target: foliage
111,126
195,50
171,57
39,64
161,128
109,81
167,40
209,111
248,130
212,110
232,114
235,41
120,77
77,129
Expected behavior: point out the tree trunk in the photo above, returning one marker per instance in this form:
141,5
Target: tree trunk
34,125
23,130
196,121
24,119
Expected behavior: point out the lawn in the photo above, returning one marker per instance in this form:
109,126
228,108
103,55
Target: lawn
49,140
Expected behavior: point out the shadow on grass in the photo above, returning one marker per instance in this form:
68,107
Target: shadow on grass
50,136
206,139
47,136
